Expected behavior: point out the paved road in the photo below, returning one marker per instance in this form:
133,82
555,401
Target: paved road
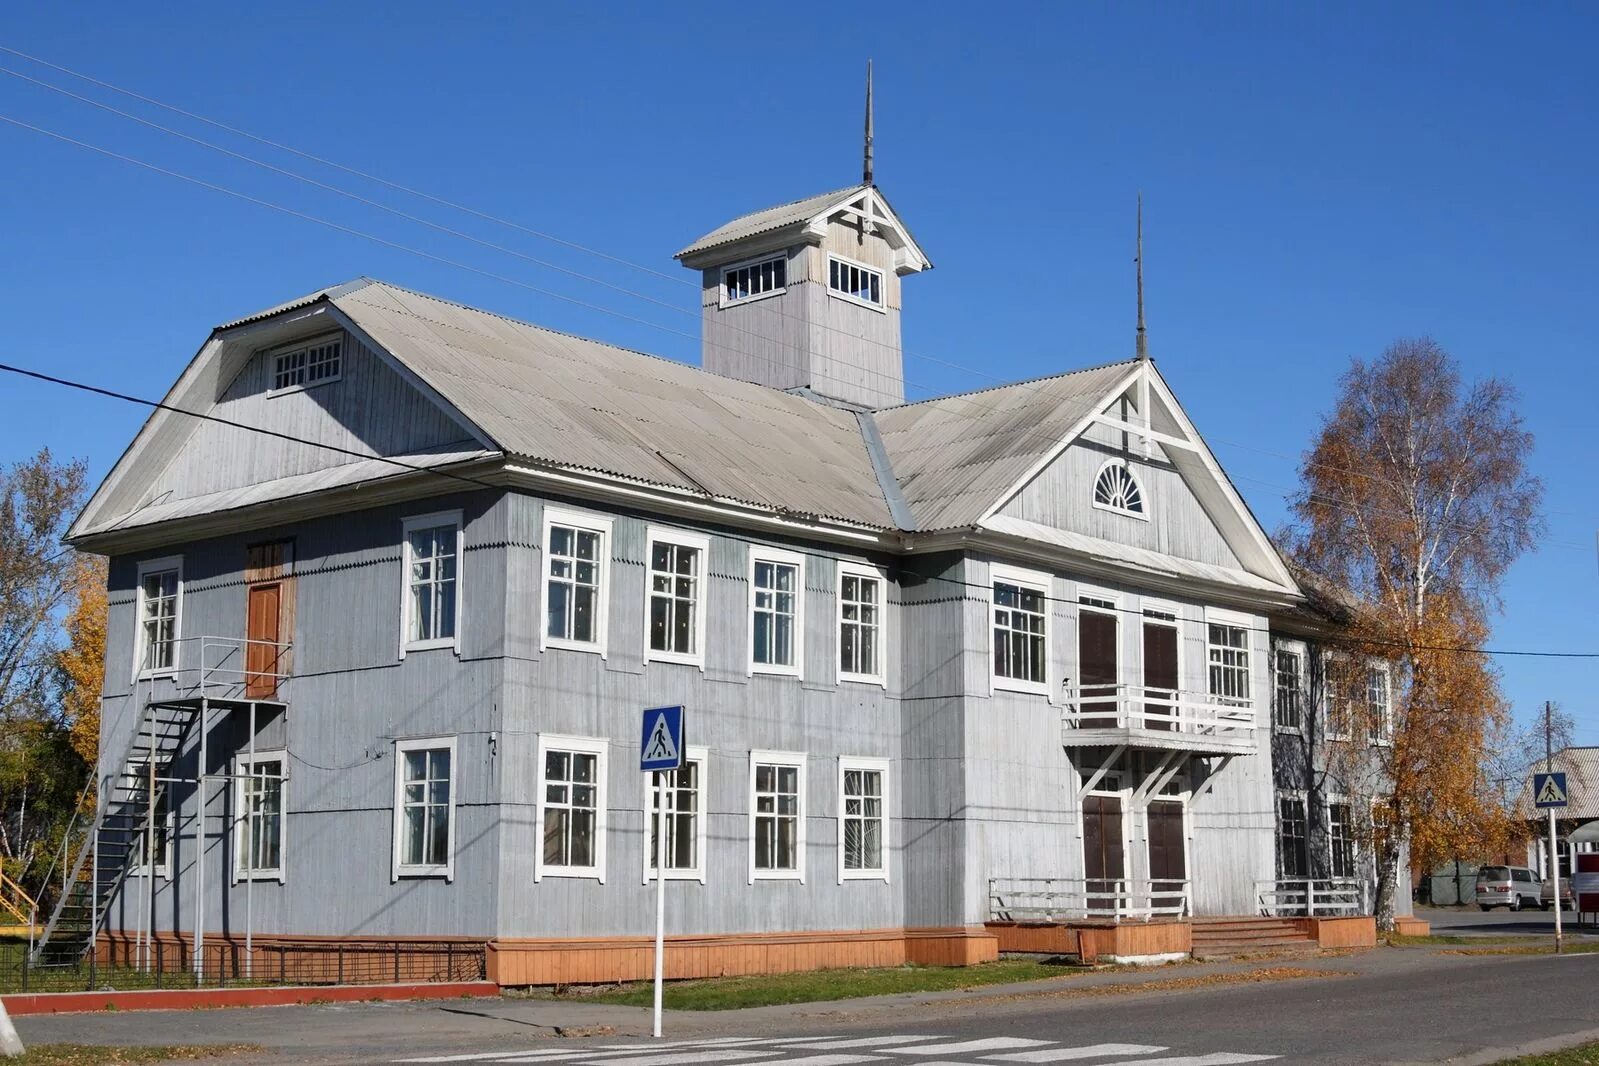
1473,921
1385,1006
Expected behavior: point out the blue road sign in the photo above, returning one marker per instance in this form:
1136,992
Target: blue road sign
1549,790
662,745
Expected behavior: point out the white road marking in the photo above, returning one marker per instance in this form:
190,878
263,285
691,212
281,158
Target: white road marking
685,1058
1219,1058
530,1055
862,1041
970,1047
1067,1054
831,1060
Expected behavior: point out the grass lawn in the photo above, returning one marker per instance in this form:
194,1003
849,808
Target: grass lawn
1586,1055
732,993
90,1055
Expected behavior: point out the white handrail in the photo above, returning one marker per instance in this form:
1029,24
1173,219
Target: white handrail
1047,899
1147,707
1311,897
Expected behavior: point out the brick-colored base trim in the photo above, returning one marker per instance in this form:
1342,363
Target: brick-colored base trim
191,998
305,960
566,961
1356,931
1092,941
1412,926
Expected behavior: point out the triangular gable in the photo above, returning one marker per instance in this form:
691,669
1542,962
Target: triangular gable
1174,468
809,217
377,408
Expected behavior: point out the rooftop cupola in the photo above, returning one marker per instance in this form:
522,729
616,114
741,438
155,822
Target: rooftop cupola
805,296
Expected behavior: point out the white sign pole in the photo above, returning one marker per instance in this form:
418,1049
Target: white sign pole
1554,871
660,892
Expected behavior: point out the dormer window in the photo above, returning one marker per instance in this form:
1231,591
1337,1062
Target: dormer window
766,277
307,365
854,281
1116,489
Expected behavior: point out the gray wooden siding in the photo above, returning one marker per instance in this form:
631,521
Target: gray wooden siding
1061,496
370,410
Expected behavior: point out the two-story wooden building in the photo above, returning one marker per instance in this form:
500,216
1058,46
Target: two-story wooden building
392,578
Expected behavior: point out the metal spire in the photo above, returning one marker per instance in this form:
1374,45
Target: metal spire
1141,346
866,167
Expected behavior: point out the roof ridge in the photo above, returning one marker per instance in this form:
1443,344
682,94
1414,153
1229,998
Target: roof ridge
793,203
1009,385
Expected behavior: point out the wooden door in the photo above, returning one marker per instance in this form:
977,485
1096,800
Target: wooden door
1160,674
1096,661
1168,852
264,633
1104,860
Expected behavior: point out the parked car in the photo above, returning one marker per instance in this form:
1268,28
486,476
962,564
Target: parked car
1546,896
1508,886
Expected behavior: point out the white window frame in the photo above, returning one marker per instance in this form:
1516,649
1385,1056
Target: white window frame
597,746
1302,797
243,768
795,759
847,763
1297,649
1384,735
777,557
1037,581
1143,495
1336,728
760,260
858,570
668,535
1234,619
401,869
1351,834
430,521
882,283
157,566
587,521
163,868
693,754
272,355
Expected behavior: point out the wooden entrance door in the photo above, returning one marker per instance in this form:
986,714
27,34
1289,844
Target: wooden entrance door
1168,851
265,635
1160,673
1096,661
1104,858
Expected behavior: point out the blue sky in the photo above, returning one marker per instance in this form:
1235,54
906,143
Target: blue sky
1318,180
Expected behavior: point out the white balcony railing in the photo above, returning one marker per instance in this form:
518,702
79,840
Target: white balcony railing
1049,899
1311,897
228,667
1152,710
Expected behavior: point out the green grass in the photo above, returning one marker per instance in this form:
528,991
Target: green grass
92,1055
1586,1055
733,993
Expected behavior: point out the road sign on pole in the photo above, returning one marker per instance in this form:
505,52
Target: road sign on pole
1549,791
660,751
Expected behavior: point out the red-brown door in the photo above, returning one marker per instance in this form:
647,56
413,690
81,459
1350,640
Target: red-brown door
1160,674
1168,852
1096,661
1104,861
264,632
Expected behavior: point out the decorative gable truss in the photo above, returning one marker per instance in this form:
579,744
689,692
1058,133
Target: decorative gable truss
1136,442
868,208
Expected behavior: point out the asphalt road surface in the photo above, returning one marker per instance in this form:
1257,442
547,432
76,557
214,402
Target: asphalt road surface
1384,1006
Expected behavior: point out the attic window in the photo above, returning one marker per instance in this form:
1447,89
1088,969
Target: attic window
855,281
1116,489
312,364
763,278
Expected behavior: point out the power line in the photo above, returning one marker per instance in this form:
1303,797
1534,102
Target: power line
480,483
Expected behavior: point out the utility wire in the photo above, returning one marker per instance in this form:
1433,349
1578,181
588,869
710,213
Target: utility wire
904,570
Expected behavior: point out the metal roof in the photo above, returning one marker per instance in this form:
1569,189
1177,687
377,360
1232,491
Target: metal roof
769,219
1581,767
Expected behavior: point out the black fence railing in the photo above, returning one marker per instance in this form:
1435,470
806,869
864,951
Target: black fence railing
169,964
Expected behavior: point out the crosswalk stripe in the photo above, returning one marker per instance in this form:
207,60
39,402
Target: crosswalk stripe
528,1055
970,1047
674,1058
1068,1054
1219,1058
831,1060
862,1041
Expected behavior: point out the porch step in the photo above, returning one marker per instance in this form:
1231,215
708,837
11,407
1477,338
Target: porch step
1223,937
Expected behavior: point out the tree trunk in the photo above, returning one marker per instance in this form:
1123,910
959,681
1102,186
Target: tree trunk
1387,888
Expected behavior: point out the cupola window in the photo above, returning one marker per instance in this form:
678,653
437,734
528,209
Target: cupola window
754,279
855,281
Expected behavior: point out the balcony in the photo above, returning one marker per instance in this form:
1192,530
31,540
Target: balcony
223,670
1140,717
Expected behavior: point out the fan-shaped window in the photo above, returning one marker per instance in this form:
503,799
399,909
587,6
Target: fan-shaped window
1118,490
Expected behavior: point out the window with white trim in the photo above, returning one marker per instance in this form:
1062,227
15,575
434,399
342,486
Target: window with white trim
676,597
1338,685
855,281
432,580
777,816
571,816
777,597
862,819
1293,836
576,551
424,808
1289,690
1379,706
1227,649
308,365
1340,839
258,831
160,608
154,835
748,280
860,624
1020,629
1117,489
685,819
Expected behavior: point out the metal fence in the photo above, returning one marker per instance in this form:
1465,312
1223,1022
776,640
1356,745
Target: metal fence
165,964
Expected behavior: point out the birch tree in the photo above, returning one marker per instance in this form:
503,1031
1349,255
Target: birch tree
1414,500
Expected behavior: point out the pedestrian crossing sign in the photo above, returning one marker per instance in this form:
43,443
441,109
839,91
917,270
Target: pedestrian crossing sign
1549,790
662,745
